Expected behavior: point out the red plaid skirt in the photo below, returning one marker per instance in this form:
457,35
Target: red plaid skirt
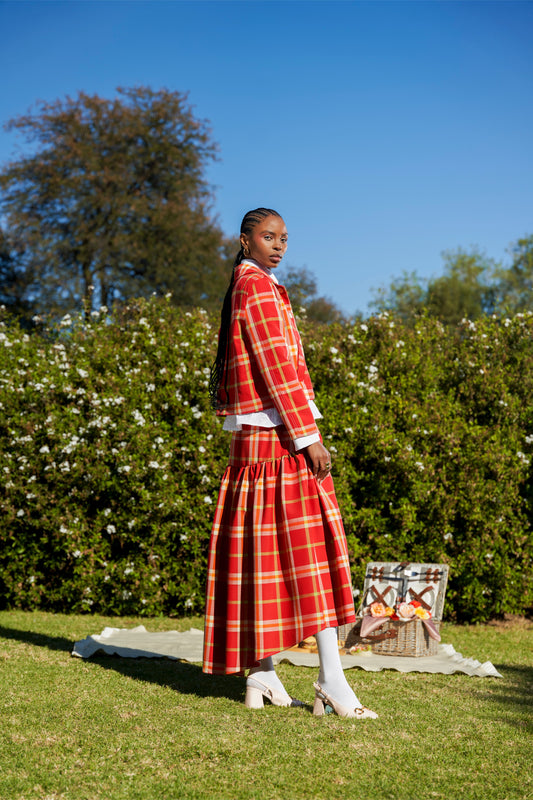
278,562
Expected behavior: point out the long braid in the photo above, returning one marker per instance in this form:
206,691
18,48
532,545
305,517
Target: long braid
218,370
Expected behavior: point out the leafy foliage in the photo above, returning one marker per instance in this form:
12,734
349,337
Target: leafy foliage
111,457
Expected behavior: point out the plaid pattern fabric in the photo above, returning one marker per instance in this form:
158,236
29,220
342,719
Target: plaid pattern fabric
278,562
266,362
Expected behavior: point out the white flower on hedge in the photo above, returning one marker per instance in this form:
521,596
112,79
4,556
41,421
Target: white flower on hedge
131,524
333,350
44,449
107,512
31,496
448,536
196,412
348,430
20,512
202,468
144,322
65,466
188,603
522,457
155,578
207,500
126,595
77,553
82,373
138,417
31,579
183,537
489,556
111,529
529,439
154,464
364,327
150,387
201,449
419,465
126,468
128,571
107,578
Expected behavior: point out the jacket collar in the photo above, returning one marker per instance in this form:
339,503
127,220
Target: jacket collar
250,263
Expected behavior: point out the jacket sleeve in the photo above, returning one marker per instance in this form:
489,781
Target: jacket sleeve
265,330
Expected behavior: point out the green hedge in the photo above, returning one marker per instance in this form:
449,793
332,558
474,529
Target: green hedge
111,457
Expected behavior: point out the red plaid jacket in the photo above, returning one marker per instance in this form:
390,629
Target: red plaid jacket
266,364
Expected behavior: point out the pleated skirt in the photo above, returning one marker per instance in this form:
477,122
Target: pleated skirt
278,567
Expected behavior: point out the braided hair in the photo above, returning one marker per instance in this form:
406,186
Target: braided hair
218,393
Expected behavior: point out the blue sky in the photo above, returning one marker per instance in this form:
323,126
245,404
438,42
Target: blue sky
385,132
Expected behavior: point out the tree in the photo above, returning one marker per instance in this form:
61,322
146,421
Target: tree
467,289
302,288
15,280
515,288
112,202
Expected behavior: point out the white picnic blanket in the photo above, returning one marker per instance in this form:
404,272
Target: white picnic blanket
140,643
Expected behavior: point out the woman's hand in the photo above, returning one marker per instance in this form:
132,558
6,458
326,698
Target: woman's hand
320,460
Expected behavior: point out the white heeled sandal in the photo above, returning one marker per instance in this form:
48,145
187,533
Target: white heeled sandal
322,699
256,691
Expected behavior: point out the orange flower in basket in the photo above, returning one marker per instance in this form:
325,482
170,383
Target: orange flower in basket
422,613
390,612
377,610
406,611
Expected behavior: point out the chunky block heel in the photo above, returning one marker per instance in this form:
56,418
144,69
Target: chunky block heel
256,691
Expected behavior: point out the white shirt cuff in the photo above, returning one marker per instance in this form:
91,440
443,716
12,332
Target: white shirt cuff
305,441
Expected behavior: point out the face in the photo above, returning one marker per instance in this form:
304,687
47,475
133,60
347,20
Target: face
267,242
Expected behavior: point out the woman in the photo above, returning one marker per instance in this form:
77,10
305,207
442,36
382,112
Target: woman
278,562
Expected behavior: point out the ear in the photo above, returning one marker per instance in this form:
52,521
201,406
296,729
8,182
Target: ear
244,241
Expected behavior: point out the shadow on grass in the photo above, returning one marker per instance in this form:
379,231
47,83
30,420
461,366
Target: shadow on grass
182,676
37,639
516,693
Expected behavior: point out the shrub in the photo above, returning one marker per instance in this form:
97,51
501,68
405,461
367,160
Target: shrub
112,458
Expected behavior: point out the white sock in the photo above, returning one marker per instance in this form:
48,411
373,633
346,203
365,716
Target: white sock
331,675
266,673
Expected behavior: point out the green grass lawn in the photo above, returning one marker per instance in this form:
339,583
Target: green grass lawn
121,729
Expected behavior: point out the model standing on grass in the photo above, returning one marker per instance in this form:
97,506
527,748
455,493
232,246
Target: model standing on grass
278,561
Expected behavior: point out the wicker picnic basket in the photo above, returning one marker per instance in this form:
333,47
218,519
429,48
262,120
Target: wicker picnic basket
411,639
391,583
